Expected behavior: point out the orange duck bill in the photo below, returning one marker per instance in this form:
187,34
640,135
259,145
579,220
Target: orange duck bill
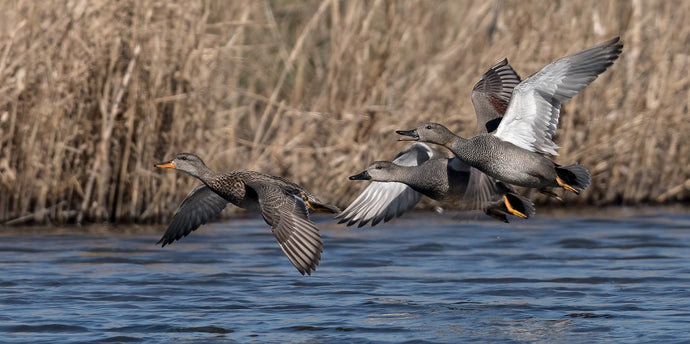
168,164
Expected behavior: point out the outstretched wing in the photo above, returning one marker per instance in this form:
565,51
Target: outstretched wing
198,207
288,217
379,202
383,201
491,95
532,115
481,190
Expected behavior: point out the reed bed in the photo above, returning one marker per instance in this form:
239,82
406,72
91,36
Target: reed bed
94,92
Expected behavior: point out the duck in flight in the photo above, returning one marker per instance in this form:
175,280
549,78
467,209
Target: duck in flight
516,152
399,185
284,206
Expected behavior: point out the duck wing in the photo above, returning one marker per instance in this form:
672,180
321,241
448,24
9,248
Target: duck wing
379,202
532,115
196,209
288,217
383,201
491,95
481,190
486,193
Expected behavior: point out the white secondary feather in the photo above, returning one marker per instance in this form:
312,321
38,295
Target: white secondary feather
532,115
383,201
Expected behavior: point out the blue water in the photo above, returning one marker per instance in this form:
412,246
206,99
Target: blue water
423,278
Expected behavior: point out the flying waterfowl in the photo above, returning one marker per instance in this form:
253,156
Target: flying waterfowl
284,206
385,199
516,152
420,171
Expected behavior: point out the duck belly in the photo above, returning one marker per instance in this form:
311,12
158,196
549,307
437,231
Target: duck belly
533,172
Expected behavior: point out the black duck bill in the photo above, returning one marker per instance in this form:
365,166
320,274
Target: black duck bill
167,164
361,176
412,133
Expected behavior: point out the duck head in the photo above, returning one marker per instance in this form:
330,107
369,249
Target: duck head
377,171
427,132
185,162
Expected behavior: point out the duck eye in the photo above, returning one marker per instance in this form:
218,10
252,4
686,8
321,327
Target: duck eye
428,126
183,158
378,167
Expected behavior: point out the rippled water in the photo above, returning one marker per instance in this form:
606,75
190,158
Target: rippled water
424,277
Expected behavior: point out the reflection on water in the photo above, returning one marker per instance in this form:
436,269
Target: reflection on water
430,278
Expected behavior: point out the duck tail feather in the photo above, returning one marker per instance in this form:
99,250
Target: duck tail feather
574,175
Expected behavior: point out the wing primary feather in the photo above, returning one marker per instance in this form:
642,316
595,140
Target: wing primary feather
532,115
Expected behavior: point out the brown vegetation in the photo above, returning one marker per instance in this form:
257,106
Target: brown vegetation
94,92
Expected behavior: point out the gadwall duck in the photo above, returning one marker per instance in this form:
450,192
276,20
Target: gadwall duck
284,206
515,152
384,200
419,170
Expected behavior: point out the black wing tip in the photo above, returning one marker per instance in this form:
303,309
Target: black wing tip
345,217
616,40
349,218
168,239
617,45
309,267
164,241
308,270
612,47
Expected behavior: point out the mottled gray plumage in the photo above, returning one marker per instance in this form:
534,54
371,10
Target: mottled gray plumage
515,153
383,201
396,188
284,206
436,178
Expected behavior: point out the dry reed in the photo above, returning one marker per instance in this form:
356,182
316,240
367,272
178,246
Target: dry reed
94,92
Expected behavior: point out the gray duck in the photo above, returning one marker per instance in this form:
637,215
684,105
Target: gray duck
439,178
384,199
516,152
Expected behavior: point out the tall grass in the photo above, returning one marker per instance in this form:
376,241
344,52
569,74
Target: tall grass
94,92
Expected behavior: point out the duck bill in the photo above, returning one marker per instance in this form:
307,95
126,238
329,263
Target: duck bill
362,176
168,164
412,135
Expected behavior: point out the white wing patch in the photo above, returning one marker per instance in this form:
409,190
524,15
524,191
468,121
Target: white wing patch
532,115
383,201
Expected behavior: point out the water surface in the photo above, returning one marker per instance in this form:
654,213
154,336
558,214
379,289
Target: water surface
423,278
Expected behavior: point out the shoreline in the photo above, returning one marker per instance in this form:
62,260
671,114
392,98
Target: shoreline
325,224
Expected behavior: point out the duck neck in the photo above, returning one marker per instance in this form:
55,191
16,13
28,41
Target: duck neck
428,178
457,145
205,174
398,174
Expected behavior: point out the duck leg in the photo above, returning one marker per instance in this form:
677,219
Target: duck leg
551,194
562,184
511,209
